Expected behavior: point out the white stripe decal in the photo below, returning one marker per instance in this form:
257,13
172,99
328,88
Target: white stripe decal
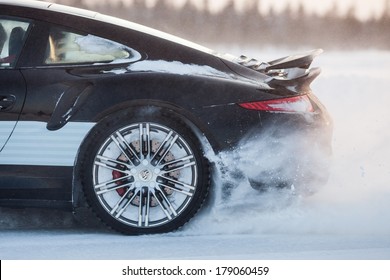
5,130
32,144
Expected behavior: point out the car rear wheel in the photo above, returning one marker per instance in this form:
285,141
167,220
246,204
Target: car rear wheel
144,174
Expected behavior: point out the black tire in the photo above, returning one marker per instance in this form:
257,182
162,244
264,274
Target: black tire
146,186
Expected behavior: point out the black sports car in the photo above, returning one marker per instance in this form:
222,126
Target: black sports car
103,112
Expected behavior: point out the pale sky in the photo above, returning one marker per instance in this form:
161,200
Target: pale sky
364,8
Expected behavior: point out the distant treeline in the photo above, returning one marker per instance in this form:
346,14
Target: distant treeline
249,28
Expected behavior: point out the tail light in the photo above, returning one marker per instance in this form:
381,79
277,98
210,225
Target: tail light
295,104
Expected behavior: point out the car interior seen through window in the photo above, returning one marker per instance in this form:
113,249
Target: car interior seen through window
12,35
65,47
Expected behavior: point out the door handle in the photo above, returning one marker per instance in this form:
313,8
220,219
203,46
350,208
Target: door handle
7,101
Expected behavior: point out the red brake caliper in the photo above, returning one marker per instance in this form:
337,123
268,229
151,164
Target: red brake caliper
116,175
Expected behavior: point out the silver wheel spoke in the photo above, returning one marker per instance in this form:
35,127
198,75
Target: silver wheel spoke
140,208
125,148
144,140
147,210
172,142
120,201
105,189
158,151
165,146
175,161
176,189
105,184
143,208
176,168
102,164
107,161
173,181
165,201
167,214
123,207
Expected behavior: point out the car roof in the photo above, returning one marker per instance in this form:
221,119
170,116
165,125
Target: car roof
104,18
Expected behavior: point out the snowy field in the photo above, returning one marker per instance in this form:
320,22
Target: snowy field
349,218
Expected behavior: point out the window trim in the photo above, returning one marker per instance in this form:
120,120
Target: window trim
133,54
15,62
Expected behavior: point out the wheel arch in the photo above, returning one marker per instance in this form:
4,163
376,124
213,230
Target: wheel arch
142,106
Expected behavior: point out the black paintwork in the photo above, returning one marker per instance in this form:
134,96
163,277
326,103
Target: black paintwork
58,94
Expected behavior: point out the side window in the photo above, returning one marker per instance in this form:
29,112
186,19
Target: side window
64,47
12,37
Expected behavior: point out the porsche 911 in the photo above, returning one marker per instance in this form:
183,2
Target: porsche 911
101,112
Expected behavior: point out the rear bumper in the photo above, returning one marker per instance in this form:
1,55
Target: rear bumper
284,150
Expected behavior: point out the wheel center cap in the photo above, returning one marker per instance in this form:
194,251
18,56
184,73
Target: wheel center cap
145,175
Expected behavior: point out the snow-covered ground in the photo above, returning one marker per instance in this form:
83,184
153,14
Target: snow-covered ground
349,218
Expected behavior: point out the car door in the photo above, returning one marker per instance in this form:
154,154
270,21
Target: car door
13,88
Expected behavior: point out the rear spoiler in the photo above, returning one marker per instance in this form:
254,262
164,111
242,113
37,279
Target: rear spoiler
294,61
286,71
